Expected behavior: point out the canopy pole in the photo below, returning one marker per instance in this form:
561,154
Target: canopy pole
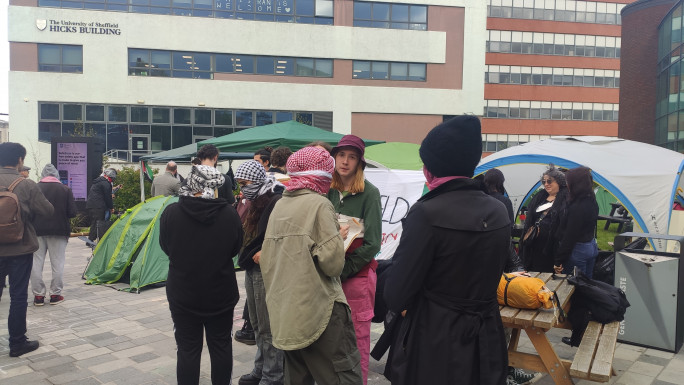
142,183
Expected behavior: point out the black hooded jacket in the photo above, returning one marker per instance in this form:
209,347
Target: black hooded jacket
201,237
100,194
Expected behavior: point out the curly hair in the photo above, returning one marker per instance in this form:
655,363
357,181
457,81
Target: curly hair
279,157
556,174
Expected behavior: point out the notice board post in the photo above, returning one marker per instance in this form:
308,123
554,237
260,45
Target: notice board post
78,161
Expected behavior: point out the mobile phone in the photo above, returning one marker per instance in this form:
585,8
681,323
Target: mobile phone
64,177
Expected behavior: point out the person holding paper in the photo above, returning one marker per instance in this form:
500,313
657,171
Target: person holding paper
357,204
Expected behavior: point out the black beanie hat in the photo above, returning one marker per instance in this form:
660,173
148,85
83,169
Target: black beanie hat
453,148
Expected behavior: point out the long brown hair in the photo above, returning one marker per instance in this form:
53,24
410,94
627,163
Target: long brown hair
254,212
357,185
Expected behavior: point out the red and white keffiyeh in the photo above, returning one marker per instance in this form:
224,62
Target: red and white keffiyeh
310,168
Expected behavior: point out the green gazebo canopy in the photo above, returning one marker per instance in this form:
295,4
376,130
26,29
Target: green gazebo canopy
290,134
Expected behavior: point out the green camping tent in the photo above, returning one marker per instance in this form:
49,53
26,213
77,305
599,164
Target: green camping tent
129,251
291,134
395,155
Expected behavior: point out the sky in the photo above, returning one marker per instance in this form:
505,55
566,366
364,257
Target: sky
4,59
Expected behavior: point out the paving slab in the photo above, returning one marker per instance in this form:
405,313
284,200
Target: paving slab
100,335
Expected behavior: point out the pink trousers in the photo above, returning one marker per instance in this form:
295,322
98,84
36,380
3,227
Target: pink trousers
360,293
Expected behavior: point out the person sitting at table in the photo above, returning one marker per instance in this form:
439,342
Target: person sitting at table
544,212
578,246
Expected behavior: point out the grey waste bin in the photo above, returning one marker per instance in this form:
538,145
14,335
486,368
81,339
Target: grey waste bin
651,281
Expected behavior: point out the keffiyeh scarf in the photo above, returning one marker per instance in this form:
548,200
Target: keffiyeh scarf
203,179
310,168
254,172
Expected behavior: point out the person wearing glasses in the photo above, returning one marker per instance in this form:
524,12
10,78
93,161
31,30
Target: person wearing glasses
544,213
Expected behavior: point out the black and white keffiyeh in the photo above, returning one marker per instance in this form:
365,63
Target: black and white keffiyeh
254,172
202,179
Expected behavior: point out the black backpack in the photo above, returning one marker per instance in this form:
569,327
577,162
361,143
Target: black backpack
594,301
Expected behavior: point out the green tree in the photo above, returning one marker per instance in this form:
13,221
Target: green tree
129,194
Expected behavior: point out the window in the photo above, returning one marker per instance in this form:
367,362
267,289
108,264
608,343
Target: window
389,15
535,9
551,111
196,65
581,45
284,11
167,127
60,58
388,71
577,77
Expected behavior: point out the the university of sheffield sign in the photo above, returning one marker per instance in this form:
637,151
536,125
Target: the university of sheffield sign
65,26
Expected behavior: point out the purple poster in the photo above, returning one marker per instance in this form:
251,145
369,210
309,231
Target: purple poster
72,164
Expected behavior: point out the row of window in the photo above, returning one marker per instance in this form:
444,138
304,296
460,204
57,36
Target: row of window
557,10
196,65
540,43
388,15
548,76
286,11
670,131
523,109
498,142
168,127
389,70
366,14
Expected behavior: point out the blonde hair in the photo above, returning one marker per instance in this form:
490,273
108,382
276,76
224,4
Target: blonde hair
357,185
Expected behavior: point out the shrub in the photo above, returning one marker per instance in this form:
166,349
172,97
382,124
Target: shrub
129,194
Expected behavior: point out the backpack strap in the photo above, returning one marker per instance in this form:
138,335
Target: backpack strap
508,282
561,313
15,183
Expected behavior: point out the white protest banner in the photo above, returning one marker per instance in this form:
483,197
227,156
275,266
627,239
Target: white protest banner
399,190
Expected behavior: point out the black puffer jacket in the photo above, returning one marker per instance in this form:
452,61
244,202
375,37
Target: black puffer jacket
62,200
100,194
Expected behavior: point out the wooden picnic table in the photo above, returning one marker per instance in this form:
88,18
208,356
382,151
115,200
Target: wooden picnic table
599,346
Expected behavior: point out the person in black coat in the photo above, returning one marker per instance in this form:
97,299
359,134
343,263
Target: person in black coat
100,201
260,190
201,234
446,270
577,247
53,234
545,211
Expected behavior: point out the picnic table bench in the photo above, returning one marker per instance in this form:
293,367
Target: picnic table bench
621,218
594,357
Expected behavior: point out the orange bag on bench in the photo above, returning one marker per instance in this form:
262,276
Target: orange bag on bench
523,292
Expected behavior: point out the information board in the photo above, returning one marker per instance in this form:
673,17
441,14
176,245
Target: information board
72,164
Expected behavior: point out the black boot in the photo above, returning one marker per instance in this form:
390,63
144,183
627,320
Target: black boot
246,334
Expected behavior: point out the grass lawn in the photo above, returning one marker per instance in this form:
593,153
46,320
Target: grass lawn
605,236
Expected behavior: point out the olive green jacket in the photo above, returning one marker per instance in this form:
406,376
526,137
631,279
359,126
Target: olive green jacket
301,260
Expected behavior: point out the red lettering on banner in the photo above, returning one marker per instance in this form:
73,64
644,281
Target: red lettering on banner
389,237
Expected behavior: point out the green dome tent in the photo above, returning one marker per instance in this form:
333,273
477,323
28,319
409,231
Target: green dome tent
129,251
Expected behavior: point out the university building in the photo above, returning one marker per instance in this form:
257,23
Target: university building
552,68
153,75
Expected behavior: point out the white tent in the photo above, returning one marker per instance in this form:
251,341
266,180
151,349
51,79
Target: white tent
643,177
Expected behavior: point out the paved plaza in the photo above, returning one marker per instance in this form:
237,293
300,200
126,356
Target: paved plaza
103,336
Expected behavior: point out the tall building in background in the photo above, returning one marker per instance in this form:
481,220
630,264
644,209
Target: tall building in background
153,75
651,74
552,68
